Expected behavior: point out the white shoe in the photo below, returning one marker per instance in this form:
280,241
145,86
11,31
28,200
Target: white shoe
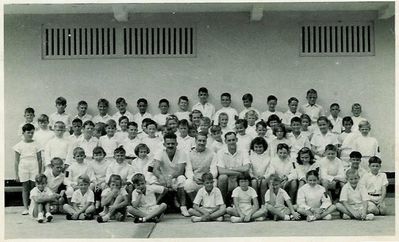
235,219
49,217
327,217
25,212
346,217
260,219
184,211
287,218
40,218
219,219
310,218
370,216
195,219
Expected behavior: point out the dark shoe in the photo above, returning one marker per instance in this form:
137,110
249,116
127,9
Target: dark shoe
100,219
69,217
88,216
138,220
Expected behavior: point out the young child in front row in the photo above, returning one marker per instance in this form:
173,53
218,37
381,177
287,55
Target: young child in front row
376,183
144,202
114,199
332,171
275,198
208,204
305,162
246,206
354,200
28,162
82,207
41,196
313,201
261,167
285,169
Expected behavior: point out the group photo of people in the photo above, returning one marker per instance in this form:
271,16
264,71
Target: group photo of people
212,165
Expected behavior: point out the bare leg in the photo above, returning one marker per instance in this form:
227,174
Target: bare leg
69,209
194,212
232,211
328,211
136,212
340,207
304,212
222,184
156,212
263,189
91,209
25,194
218,213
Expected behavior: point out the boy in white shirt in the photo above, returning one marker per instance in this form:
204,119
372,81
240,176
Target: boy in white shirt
353,201
121,105
376,183
76,130
160,118
152,140
217,141
225,100
207,109
43,134
103,116
82,207
356,111
57,146
296,138
335,120
109,141
82,111
208,204
56,183
243,139
251,116
144,202
131,141
365,144
355,159
292,111
41,196
184,141
86,141
60,115
311,108
247,100
183,112
29,116
271,103
142,105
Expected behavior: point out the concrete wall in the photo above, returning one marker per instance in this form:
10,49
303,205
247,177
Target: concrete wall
234,55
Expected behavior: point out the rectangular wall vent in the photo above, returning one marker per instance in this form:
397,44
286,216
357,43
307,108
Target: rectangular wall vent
337,39
74,42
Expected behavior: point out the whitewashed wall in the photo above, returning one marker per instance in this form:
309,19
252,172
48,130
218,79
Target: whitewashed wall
233,55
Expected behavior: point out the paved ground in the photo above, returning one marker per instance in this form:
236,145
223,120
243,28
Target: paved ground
175,226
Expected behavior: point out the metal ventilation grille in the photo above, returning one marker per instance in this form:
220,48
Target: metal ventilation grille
353,39
79,42
158,41
75,42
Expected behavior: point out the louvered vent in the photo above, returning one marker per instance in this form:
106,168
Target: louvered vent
158,41
66,42
343,39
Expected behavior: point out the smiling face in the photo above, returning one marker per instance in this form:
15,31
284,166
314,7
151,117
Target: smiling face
259,149
132,131
296,127
41,185
83,185
293,106
143,152
140,185
374,168
121,107
29,117
28,135
247,103
57,167
88,131
305,158
151,130
353,179
356,110
102,109
170,144
43,124
203,97
82,109
364,130
119,157
282,153
231,141
59,130
79,156
261,130
323,126
225,101
183,105
196,117
355,162
312,180
123,124
200,142
272,105
98,156
142,106
110,130
223,120
330,154
208,184
311,97
240,128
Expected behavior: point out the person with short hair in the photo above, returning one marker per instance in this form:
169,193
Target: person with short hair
142,105
207,109
76,130
60,115
29,115
183,112
355,158
43,134
292,111
243,139
230,163
217,140
152,140
297,139
40,197
271,103
225,100
82,207
251,116
82,111
56,183
121,105
354,200
102,116
208,204
109,141
160,118
311,108
365,144
313,201
356,111
246,206
144,202
321,139
184,141
376,183
335,120
28,162
59,146
247,100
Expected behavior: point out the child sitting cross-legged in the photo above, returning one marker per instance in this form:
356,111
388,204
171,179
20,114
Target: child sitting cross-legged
82,201
274,201
208,204
246,206
114,199
144,202
41,196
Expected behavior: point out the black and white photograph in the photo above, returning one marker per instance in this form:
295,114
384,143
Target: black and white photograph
176,120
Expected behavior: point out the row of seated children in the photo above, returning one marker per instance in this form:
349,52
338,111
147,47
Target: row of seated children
313,202
312,109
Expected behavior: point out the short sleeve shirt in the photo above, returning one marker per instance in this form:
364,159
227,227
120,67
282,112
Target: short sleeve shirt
53,182
148,199
374,183
27,151
168,166
107,190
353,196
209,200
277,200
244,197
227,160
82,200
